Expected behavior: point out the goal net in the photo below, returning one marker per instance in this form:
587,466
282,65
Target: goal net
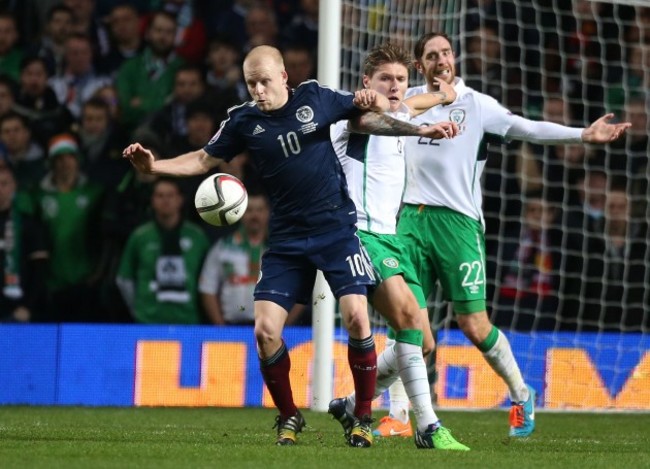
566,226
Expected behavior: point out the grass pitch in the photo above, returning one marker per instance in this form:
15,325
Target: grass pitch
64,437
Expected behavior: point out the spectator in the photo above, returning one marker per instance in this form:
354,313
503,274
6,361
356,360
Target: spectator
108,94
191,37
636,112
629,158
588,217
303,29
529,265
232,22
23,257
485,69
261,27
144,82
37,102
640,29
29,16
85,22
126,41
101,142
69,206
232,268
169,123
127,206
590,45
25,157
201,124
557,168
224,71
637,150
611,272
635,80
10,54
159,269
7,95
79,81
51,45
299,64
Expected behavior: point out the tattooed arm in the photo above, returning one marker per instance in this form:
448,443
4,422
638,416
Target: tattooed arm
376,123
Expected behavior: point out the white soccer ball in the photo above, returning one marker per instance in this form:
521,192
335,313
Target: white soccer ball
221,199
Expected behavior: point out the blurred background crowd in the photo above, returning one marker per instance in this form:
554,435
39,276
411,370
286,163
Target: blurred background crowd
85,238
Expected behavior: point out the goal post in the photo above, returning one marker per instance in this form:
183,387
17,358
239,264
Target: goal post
323,304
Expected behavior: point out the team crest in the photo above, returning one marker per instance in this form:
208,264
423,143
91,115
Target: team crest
391,263
457,116
305,114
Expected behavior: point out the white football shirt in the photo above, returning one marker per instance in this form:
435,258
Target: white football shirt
447,173
375,171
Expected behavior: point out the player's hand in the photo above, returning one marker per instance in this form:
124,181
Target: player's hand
444,87
141,158
365,98
601,131
439,130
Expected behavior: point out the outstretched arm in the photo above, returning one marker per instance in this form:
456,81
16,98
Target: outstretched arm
420,103
601,131
188,164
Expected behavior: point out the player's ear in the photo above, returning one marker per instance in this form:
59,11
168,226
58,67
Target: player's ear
285,77
418,66
365,81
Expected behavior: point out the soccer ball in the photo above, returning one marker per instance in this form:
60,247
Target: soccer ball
221,199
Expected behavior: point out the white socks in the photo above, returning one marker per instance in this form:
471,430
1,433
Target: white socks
414,383
399,401
503,362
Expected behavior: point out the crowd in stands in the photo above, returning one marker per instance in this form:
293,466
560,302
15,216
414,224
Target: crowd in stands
86,238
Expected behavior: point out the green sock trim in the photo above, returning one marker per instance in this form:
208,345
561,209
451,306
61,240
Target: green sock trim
390,333
410,336
490,340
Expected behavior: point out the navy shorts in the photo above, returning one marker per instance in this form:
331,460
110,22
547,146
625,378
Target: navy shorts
289,269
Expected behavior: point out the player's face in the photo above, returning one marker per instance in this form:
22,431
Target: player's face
391,80
266,82
437,61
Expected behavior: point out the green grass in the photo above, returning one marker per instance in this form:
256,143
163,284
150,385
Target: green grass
62,437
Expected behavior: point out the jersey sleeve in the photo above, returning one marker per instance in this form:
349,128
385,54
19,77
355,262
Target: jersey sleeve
227,142
495,118
337,104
